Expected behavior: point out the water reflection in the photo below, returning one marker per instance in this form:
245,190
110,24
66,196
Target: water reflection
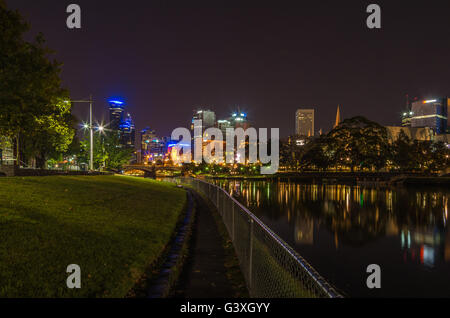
391,226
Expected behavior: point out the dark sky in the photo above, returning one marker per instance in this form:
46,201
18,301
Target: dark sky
165,58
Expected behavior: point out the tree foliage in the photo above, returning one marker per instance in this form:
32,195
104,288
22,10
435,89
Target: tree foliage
32,107
360,144
108,152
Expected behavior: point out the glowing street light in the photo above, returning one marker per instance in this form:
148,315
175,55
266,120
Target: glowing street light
88,126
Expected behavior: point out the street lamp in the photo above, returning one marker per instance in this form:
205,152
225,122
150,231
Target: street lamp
91,129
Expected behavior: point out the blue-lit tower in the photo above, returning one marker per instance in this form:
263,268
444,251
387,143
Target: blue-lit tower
116,114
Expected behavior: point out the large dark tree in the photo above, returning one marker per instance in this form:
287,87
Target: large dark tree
32,106
359,143
317,154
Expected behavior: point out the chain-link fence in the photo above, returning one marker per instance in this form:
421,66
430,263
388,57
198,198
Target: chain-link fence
272,269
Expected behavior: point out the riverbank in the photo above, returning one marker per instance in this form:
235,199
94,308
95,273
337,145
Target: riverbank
348,178
113,227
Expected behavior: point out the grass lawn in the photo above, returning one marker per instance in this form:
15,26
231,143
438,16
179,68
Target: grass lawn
112,227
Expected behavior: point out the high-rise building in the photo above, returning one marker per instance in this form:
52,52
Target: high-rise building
223,125
239,119
448,115
207,117
407,113
127,132
116,112
123,125
147,137
406,118
431,113
304,122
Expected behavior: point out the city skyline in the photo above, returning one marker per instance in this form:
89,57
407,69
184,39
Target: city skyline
270,61
220,150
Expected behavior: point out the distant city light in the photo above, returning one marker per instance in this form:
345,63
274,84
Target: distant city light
430,101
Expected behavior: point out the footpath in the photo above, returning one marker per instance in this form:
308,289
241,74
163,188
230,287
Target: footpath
204,275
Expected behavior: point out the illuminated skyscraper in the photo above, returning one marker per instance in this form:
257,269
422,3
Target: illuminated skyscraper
304,122
116,111
207,117
123,125
223,125
239,119
430,113
128,132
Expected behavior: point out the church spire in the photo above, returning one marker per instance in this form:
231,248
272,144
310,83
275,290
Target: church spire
338,117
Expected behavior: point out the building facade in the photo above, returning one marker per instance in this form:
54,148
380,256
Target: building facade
223,125
122,123
239,119
432,114
304,122
127,131
208,120
6,152
116,114
421,134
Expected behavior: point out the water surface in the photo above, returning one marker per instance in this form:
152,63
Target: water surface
342,229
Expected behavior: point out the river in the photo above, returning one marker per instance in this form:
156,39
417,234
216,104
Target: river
341,229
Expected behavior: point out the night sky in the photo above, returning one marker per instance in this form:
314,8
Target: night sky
166,58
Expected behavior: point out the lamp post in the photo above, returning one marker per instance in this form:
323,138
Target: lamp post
91,130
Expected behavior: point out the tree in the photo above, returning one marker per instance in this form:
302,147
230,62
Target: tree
359,142
108,152
31,97
52,137
116,154
402,152
317,154
291,152
440,156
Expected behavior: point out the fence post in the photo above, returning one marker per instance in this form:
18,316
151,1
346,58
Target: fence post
250,269
217,199
232,220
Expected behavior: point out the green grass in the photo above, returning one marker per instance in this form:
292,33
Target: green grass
114,228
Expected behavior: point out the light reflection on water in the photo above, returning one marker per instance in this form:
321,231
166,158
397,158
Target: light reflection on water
341,229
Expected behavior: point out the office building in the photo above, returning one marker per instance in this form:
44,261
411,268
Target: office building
421,134
407,113
304,122
208,120
127,131
239,119
223,125
116,114
430,113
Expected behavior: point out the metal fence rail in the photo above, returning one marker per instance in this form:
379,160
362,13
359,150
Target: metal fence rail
272,269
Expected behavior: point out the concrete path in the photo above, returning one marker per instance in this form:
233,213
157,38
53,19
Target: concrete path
204,275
